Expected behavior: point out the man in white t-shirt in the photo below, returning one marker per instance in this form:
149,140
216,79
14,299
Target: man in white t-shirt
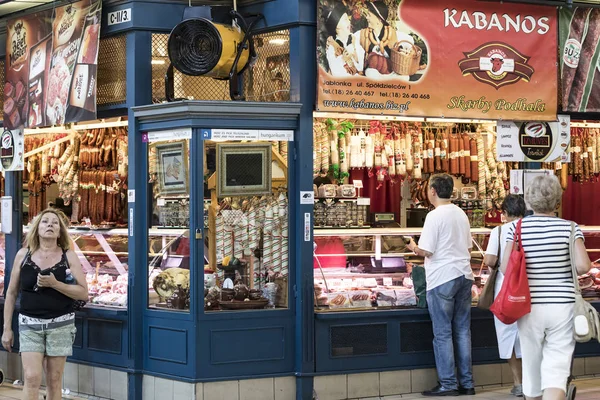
446,245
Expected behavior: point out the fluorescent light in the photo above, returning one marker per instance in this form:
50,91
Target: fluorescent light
461,121
278,42
158,62
317,114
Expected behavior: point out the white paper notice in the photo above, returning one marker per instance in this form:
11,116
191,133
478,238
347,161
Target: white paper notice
6,214
307,197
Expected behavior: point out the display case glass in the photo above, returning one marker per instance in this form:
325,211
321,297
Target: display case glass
247,240
369,269
169,237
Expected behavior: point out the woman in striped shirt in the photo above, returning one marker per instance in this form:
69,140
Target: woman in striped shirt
546,333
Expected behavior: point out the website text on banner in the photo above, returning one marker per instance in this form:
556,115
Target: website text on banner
51,66
470,59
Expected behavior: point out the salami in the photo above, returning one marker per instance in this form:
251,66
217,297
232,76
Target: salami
467,155
580,17
437,155
588,49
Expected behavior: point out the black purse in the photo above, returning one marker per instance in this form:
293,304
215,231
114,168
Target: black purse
77,304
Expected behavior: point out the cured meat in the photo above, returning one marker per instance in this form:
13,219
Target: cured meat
576,29
588,49
586,282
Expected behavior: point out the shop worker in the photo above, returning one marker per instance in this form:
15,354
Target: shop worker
446,245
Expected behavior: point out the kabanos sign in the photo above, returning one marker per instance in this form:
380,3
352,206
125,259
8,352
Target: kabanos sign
470,59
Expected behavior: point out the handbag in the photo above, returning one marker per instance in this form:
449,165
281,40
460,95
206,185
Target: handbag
486,298
585,316
419,285
514,299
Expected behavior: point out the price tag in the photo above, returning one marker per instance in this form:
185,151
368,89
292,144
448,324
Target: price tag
387,281
358,184
363,201
161,202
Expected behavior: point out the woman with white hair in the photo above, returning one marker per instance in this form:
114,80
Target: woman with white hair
546,333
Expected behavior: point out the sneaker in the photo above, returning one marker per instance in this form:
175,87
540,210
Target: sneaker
517,391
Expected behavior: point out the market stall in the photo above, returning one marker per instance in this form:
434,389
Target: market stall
384,124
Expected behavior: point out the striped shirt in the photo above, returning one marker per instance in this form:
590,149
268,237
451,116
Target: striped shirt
546,246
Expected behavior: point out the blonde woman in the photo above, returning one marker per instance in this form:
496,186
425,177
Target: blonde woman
546,333
46,319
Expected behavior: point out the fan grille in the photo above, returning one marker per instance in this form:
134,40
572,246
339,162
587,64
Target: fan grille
195,47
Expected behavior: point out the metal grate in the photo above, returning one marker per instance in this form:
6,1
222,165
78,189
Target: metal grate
2,76
359,340
416,337
112,71
269,77
267,80
486,334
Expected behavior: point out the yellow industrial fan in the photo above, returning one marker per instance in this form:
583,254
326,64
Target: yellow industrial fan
211,41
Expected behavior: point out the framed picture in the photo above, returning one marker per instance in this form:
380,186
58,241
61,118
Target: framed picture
172,168
243,169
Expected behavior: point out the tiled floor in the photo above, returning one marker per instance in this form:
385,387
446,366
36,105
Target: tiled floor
587,389
9,392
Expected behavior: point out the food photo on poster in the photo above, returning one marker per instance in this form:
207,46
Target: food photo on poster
579,37
395,58
52,65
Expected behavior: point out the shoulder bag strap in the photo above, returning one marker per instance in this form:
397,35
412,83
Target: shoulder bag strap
517,245
499,260
572,256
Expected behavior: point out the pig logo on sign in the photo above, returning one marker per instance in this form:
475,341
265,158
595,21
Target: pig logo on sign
496,64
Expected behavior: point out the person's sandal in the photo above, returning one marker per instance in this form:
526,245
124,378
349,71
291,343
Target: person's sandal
517,391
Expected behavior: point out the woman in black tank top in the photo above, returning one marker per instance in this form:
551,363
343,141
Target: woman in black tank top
46,317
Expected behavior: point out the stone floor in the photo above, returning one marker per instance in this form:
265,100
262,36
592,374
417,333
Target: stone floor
10,392
587,389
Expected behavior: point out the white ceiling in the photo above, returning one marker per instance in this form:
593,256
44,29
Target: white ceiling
12,6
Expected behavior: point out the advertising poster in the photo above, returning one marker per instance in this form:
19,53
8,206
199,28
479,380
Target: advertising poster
580,76
534,141
461,59
51,66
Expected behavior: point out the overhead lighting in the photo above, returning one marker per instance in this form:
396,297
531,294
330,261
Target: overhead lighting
278,42
460,121
158,62
318,114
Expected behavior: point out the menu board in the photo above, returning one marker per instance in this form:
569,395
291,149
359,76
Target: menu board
537,141
51,66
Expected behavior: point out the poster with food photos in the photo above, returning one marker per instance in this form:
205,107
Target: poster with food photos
51,66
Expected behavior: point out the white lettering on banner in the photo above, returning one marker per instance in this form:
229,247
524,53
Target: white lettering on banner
481,21
119,17
281,136
171,134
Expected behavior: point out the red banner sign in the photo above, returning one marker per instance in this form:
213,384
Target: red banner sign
465,59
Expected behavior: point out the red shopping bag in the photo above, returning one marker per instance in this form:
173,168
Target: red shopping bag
514,299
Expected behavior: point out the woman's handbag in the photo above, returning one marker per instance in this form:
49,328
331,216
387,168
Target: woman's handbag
486,299
514,299
586,320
